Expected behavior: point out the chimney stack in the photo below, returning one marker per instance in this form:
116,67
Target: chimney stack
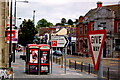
99,4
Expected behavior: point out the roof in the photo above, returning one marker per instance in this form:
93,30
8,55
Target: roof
61,31
115,8
42,31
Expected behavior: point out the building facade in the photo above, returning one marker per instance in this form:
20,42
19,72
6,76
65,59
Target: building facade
4,50
102,17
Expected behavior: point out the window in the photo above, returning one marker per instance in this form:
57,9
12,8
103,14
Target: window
86,29
117,44
93,26
81,44
80,30
118,27
85,44
102,25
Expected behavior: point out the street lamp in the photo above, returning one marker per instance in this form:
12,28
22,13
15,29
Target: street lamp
10,42
16,27
34,17
15,8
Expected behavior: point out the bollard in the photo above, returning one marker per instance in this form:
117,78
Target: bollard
56,60
69,64
108,73
75,65
89,69
59,61
81,66
53,59
62,62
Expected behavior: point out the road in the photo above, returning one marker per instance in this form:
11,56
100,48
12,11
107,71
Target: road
19,71
111,63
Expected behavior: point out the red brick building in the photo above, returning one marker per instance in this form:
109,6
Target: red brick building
102,17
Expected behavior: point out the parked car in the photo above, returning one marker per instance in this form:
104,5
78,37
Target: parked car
57,53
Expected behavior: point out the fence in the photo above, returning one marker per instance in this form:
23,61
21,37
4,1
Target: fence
108,73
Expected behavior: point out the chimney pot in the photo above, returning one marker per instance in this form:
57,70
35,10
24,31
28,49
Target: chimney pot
99,4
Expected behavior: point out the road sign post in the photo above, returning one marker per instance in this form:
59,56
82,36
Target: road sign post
60,41
96,41
100,71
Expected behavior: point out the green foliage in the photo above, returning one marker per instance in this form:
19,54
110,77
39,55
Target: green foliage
63,21
43,23
26,33
76,21
70,22
59,24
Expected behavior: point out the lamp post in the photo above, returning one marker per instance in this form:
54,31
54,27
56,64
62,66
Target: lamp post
34,17
10,42
14,45
15,8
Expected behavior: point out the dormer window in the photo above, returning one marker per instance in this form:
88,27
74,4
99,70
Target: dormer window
102,25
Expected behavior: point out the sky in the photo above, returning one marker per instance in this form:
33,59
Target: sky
54,10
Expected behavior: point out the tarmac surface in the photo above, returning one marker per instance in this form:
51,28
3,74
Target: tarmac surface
57,72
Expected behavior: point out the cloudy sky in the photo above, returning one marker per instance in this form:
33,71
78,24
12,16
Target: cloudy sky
54,10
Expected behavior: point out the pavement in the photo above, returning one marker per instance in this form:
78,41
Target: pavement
57,71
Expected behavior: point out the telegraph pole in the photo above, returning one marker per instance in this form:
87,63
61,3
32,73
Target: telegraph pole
34,17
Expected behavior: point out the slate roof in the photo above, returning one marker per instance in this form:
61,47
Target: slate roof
115,8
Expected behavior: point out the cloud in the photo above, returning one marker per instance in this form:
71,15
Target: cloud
54,10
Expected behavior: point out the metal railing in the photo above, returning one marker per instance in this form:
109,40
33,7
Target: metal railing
108,73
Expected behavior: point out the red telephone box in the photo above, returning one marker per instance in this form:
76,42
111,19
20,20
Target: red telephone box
32,53
44,58
37,58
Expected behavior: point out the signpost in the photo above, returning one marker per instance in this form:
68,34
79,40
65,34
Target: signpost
96,42
60,41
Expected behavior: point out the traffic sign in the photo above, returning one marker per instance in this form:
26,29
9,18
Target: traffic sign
59,41
96,41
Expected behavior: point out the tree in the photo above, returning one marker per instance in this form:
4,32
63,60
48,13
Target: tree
76,21
59,24
70,22
63,21
43,23
26,33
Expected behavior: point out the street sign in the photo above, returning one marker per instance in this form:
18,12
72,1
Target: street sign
96,41
59,41
14,36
